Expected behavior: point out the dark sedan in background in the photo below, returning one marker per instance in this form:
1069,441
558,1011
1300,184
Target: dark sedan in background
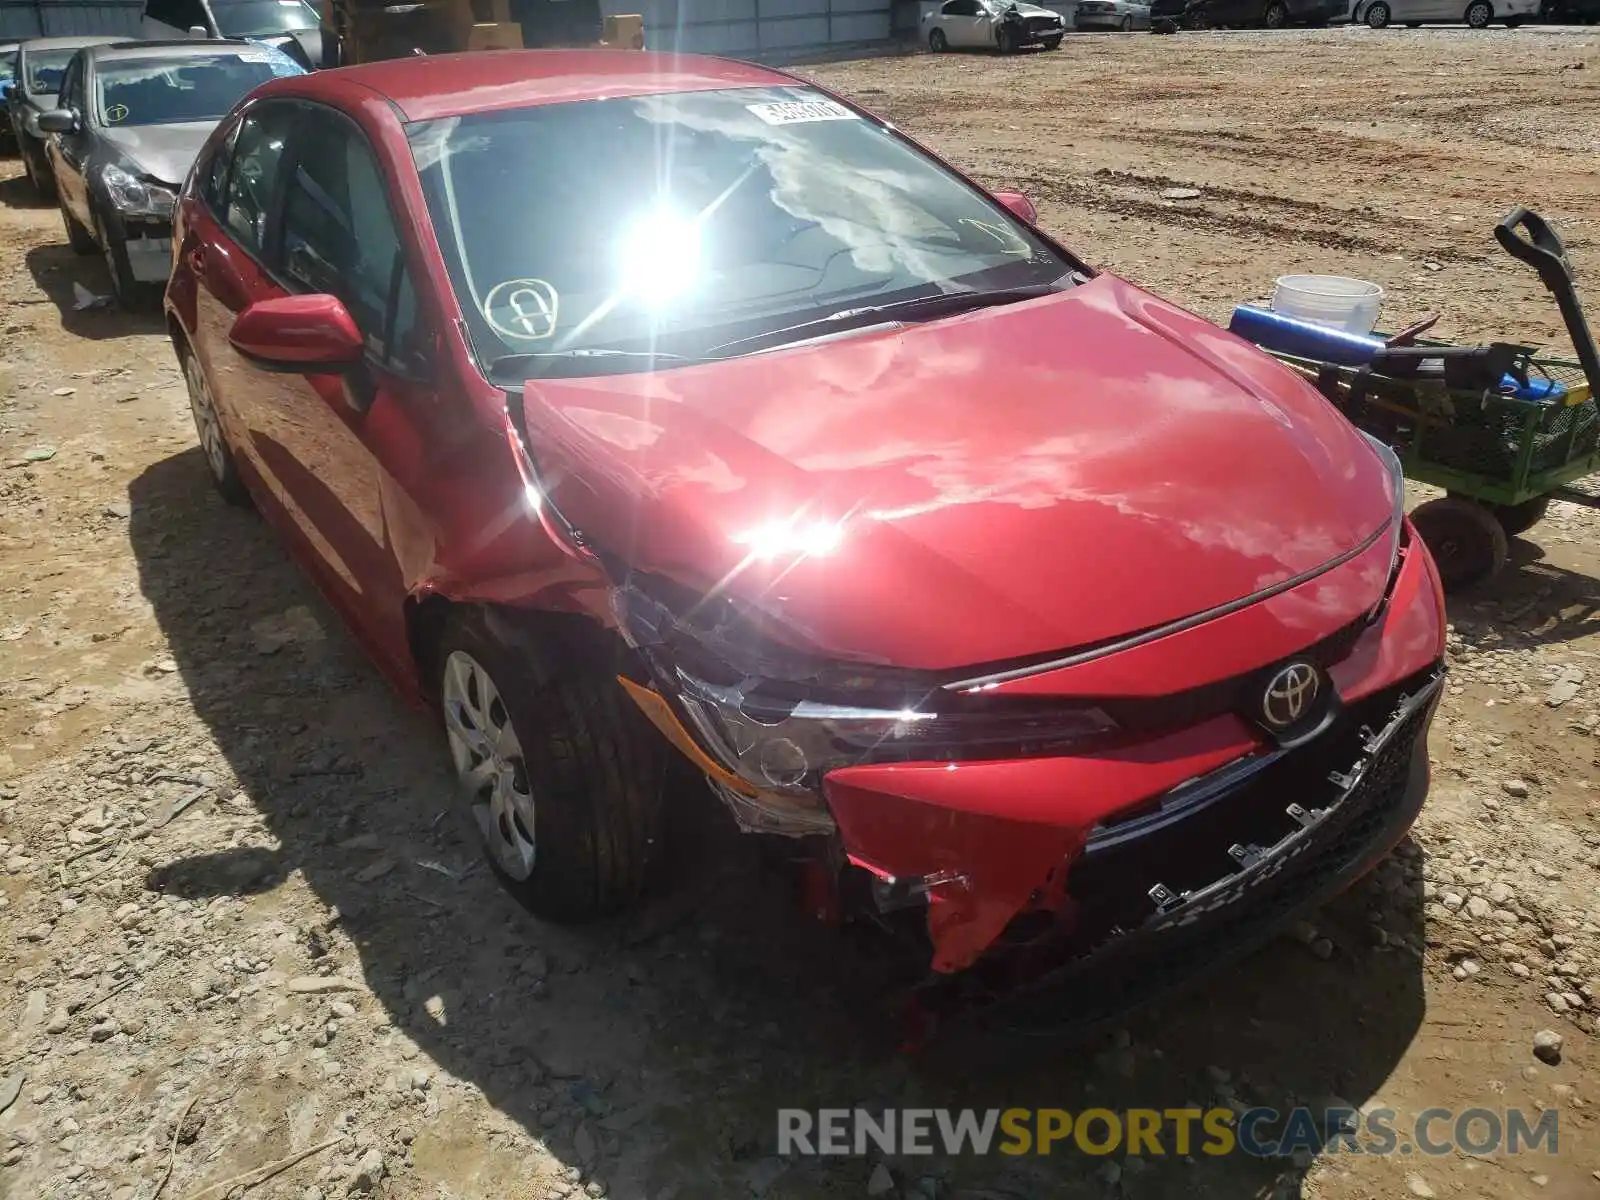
132,117
41,64
1238,14
292,26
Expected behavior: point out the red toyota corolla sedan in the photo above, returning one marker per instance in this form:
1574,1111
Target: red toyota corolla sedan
622,401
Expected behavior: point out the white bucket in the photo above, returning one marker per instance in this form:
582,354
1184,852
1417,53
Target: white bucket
1332,300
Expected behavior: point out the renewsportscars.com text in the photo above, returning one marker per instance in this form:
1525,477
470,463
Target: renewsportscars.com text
1259,1132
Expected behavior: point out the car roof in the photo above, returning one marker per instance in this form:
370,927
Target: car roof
67,43
174,48
425,88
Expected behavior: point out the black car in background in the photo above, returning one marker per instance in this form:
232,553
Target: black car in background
293,26
8,72
1570,12
131,118
41,63
1271,14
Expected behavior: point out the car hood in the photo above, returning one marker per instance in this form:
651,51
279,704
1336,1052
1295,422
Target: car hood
164,152
1032,10
1006,483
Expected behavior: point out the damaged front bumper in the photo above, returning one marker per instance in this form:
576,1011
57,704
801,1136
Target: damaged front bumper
149,248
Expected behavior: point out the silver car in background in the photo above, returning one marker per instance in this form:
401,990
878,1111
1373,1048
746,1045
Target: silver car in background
1113,14
1477,14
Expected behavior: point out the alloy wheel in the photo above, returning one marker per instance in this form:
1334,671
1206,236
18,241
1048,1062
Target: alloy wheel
489,763
207,425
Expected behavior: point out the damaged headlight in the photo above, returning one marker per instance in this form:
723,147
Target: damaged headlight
1397,487
780,720
134,197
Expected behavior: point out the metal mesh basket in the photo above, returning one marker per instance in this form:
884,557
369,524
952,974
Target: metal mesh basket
1488,434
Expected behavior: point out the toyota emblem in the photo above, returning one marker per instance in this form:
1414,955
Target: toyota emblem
1290,694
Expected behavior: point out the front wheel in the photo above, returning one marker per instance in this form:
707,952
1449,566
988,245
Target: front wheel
208,428
38,170
1005,40
1276,16
129,293
1126,25
1468,543
937,42
560,775
1479,14
1378,16
79,238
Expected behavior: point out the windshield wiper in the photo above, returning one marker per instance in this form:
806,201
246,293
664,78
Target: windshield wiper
512,364
918,307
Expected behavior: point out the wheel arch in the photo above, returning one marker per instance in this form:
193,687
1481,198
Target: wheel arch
557,644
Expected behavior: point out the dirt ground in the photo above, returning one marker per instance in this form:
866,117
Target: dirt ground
238,928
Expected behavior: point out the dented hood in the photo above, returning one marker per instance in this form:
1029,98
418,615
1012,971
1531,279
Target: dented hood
1005,483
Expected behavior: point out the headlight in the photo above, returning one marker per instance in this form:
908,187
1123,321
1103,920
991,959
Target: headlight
780,720
134,197
1397,486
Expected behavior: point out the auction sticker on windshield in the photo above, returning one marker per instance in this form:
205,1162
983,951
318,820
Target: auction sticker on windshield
799,112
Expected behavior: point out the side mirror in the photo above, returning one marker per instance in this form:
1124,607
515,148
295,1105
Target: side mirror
302,335
59,120
1019,205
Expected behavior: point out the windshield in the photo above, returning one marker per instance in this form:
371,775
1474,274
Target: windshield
46,67
192,88
259,18
682,222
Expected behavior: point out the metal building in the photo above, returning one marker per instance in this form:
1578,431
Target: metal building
747,28
68,18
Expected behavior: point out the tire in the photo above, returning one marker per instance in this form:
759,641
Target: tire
208,429
570,756
1276,16
79,238
1004,41
1053,43
1519,518
1126,25
1478,15
38,169
937,42
1378,16
1467,542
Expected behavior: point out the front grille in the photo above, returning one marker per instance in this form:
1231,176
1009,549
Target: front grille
1133,951
1042,24
1113,879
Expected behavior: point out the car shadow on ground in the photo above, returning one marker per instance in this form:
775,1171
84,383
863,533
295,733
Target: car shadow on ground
1533,600
17,192
717,1003
60,272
